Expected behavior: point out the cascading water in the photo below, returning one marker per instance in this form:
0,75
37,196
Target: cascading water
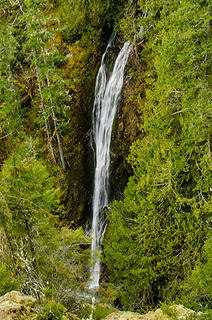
107,93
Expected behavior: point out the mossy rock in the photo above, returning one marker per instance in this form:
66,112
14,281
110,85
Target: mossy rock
15,306
175,312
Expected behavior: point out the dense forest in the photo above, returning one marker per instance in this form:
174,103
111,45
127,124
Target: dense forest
157,244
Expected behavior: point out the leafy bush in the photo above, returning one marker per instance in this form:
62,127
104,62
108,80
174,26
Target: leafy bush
52,311
7,281
100,311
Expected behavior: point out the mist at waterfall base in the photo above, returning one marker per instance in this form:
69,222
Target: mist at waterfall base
107,93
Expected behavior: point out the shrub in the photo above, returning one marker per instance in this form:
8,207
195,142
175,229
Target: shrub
7,282
52,311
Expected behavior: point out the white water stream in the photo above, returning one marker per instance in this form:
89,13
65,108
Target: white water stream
107,93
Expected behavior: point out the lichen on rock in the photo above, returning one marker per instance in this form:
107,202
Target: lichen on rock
15,306
175,312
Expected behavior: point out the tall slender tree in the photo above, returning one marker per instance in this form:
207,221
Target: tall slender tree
39,36
9,96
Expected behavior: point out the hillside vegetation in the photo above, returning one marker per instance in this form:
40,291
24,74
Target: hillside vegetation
157,246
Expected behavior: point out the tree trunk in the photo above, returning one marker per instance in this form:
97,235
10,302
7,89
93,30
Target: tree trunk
22,6
9,242
31,245
60,147
56,131
43,106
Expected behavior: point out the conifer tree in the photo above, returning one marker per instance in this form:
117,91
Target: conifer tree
38,38
40,256
9,97
157,234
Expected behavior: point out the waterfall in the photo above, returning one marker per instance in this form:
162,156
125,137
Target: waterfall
107,93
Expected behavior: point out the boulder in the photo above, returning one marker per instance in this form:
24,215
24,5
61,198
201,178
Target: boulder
15,306
175,312
124,315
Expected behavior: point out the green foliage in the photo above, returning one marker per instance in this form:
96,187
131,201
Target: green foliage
170,312
27,195
7,281
54,46
207,315
90,19
100,311
197,288
157,233
10,104
8,46
41,256
62,262
157,245
46,56
26,182
52,311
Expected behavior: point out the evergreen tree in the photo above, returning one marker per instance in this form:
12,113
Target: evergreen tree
9,97
39,256
156,234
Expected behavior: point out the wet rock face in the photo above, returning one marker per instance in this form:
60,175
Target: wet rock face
126,128
15,306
